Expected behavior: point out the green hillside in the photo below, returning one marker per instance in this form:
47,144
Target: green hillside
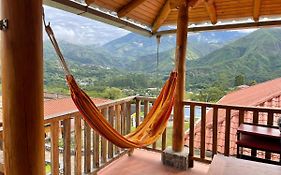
256,56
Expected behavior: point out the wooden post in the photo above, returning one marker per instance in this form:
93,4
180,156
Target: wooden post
22,82
178,125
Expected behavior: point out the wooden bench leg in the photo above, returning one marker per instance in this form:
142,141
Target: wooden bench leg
130,152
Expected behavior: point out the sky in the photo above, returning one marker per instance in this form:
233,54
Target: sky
83,31
80,30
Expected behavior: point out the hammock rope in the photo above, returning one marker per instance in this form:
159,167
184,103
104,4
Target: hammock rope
145,134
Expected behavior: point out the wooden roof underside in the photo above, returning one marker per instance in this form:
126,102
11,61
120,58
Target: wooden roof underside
152,14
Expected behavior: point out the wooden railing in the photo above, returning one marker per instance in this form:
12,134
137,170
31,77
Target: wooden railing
72,147
226,116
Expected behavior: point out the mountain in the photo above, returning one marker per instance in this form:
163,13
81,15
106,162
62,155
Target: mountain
257,56
137,45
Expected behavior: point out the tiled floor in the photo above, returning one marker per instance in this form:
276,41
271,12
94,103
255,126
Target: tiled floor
144,162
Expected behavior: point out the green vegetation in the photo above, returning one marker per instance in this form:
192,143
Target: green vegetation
128,66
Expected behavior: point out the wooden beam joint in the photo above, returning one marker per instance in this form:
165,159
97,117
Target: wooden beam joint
129,7
162,16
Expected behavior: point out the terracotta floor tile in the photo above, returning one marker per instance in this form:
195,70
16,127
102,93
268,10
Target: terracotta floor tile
145,163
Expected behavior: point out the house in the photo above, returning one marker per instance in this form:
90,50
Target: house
266,94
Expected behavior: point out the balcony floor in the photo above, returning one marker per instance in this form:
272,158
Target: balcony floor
144,162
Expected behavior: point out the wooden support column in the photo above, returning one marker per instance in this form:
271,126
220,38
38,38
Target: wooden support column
178,125
22,82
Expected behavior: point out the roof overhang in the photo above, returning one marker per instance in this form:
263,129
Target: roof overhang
111,17
92,13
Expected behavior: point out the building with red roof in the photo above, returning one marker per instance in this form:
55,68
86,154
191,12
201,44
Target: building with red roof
266,94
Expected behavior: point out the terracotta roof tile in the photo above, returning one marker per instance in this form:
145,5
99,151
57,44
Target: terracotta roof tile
63,105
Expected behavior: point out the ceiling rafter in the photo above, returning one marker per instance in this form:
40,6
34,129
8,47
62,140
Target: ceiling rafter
162,16
211,9
256,10
176,3
129,7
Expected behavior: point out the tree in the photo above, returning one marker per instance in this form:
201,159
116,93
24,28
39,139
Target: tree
239,80
112,93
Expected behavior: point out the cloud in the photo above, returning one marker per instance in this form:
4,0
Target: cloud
80,30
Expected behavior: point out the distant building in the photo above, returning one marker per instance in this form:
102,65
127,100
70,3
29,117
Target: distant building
267,94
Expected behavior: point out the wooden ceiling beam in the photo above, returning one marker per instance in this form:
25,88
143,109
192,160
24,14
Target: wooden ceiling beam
129,7
162,16
256,10
211,9
237,26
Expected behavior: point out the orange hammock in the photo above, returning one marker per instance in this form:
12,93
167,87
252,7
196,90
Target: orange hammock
145,134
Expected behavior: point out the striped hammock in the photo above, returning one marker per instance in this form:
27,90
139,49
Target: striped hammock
145,134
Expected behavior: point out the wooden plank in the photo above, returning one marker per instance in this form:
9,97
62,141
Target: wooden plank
103,140
55,147
215,131
162,16
131,5
227,131
164,140
138,111
256,10
87,148
96,147
203,132
78,147
191,136
110,119
178,121
22,85
67,146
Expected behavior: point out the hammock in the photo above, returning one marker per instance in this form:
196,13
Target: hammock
145,134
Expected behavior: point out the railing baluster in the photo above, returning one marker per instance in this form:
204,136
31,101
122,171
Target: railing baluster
255,121
110,119
146,108
55,147
191,136
269,123
203,132
164,140
118,123
67,146
123,118
138,111
255,117
227,131
215,131
96,147
103,140
87,148
128,118
241,116
78,146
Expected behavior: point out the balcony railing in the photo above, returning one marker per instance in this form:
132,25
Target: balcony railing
72,147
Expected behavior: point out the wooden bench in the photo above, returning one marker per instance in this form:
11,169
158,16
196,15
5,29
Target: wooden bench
256,137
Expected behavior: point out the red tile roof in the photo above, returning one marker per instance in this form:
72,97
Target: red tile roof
63,105
265,94
60,106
